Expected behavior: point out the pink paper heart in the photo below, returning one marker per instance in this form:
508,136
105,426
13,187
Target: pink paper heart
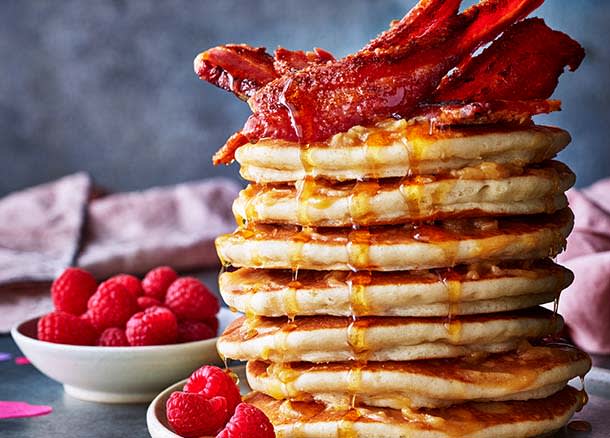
15,409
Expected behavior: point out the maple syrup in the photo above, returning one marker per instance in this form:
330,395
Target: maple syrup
358,245
291,306
356,338
346,427
305,155
356,285
360,201
412,192
454,295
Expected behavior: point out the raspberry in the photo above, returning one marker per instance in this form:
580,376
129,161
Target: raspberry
194,415
131,283
157,281
71,290
154,326
64,328
211,322
145,302
111,306
113,337
248,421
212,381
189,331
188,298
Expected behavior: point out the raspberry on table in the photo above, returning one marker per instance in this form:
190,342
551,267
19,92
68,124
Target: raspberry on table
189,298
72,289
111,306
248,421
113,337
64,328
194,415
189,331
154,326
157,281
131,283
144,302
212,381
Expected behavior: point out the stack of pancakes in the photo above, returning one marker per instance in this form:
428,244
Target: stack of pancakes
391,278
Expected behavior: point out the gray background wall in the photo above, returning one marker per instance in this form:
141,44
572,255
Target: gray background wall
107,86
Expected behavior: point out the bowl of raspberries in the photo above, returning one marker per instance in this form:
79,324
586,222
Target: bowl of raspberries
207,404
124,339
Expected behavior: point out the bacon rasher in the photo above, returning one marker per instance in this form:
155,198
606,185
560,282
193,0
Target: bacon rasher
311,97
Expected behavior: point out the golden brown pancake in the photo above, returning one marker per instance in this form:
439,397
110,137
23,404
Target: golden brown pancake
391,248
507,419
527,373
463,290
332,339
397,148
487,190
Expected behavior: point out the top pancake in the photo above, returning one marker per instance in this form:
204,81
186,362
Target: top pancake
489,189
397,148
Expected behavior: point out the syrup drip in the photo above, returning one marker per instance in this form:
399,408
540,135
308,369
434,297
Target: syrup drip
305,192
454,294
307,160
356,338
358,244
354,383
291,306
359,201
300,239
346,427
356,285
412,192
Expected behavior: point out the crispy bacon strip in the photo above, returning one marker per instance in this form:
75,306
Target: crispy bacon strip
517,112
426,16
315,103
238,68
288,61
243,70
524,63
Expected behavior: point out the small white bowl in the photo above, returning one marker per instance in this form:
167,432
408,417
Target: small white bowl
116,374
156,416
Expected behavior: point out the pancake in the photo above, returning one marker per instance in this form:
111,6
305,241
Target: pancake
486,190
475,420
397,148
530,372
392,248
334,339
463,290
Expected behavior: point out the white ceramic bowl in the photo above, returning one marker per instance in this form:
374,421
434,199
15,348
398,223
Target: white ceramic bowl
116,374
156,416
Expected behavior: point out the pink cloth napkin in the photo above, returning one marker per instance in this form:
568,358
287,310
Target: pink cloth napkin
585,305
41,231
134,232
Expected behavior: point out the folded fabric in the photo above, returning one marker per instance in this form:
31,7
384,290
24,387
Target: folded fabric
585,305
40,229
134,232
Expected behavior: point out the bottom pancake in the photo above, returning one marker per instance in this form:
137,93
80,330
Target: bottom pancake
527,373
475,420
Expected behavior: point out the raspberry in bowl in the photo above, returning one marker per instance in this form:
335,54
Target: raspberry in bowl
114,343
